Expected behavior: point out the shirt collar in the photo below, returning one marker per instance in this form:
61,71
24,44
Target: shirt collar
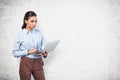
27,32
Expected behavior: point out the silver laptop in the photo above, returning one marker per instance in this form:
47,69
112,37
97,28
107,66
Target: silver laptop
50,46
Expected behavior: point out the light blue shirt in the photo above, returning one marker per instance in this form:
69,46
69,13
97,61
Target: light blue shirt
27,40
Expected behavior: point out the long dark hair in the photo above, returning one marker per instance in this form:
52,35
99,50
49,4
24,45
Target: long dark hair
26,17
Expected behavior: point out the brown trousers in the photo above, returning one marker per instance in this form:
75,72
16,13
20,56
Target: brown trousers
31,66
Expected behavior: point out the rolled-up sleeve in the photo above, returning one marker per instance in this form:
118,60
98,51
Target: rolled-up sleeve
17,51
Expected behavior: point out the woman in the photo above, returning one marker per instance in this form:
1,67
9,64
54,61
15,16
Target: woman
28,46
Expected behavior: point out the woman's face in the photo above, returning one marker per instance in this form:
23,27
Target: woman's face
31,22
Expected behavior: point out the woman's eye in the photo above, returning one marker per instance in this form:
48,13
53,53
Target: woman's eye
33,21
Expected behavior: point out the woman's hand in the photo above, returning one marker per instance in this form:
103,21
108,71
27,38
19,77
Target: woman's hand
33,51
44,54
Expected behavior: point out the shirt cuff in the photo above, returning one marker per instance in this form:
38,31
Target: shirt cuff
25,52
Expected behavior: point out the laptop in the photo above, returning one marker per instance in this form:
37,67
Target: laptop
50,46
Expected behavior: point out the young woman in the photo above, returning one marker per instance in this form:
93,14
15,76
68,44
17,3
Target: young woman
28,46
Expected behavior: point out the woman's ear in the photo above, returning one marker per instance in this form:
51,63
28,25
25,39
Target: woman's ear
26,21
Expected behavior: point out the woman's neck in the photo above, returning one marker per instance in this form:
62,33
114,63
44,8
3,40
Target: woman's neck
28,28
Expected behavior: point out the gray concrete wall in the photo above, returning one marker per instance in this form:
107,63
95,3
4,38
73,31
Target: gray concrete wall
88,29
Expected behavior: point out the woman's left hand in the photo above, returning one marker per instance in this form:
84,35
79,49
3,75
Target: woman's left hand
44,54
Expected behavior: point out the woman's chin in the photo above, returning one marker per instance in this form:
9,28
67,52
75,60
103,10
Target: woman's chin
33,27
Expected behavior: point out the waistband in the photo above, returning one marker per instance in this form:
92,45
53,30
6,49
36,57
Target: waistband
24,57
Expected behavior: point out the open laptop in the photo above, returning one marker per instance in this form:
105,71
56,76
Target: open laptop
50,46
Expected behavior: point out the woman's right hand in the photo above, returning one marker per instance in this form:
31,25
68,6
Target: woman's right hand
33,51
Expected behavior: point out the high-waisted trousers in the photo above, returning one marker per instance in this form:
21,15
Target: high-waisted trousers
30,67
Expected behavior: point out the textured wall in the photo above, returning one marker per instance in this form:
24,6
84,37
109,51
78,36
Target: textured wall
88,30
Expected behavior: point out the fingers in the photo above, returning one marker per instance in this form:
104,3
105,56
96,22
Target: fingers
44,54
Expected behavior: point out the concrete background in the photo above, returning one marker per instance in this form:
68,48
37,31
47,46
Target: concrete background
88,29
